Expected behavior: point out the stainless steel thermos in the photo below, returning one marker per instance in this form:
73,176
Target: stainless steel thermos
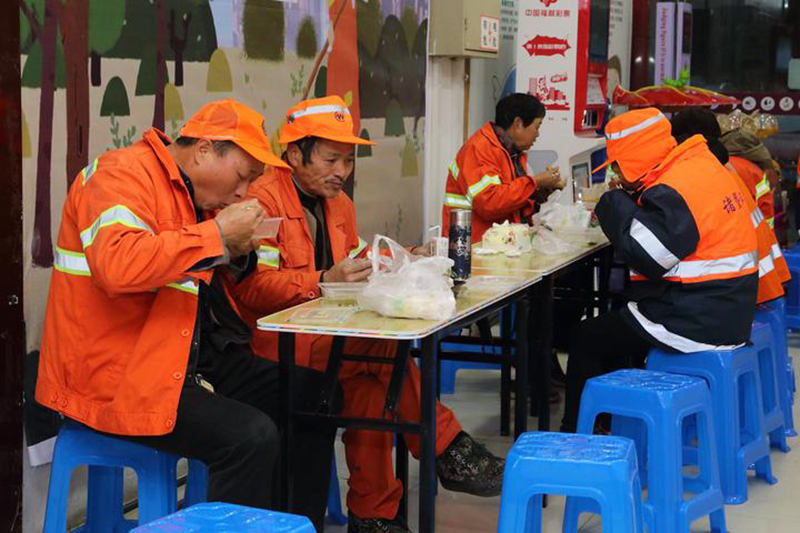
460,245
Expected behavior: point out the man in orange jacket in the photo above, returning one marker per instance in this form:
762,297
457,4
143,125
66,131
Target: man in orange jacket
140,338
679,219
318,242
489,175
753,163
772,268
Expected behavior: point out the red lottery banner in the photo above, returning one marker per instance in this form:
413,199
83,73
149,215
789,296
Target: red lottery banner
546,46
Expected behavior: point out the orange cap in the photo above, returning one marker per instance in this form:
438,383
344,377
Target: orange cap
638,141
231,120
327,118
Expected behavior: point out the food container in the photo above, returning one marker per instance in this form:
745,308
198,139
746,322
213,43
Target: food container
342,293
268,228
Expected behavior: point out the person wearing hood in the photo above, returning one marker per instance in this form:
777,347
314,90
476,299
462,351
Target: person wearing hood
753,163
679,219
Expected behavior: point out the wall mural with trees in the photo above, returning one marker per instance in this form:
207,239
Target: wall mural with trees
96,74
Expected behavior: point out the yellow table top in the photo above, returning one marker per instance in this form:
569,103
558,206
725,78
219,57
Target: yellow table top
368,324
586,244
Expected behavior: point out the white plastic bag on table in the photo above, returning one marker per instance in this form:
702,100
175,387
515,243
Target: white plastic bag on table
559,216
547,243
407,286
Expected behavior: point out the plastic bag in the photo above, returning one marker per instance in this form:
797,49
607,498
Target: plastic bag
547,243
557,215
406,286
508,237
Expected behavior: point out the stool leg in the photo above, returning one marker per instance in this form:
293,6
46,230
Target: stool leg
754,419
157,489
105,499
196,483
717,519
55,518
533,518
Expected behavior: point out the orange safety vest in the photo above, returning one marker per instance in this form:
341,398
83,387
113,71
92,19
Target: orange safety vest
482,178
692,247
123,304
758,184
286,273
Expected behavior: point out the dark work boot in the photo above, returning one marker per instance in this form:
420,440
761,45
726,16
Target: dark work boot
467,466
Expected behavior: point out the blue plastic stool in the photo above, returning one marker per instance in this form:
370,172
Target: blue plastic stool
78,445
596,467
205,517
196,483
769,367
774,312
652,407
793,291
335,513
733,378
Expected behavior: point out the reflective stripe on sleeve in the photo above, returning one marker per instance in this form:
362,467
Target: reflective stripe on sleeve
118,214
486,181
453,169
654,247
765,266
269,256
757,217
71,263
185,285
762,187
89,170
708,267
456,200
358,249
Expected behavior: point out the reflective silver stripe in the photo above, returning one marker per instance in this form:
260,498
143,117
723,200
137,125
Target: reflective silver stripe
269,256
318,110
186,285
89,170
118,214
707,267
486,181
762,187
358,249
453,169
680,343
775,251
456,200
765,266
654,248
71,263
757,217
633,129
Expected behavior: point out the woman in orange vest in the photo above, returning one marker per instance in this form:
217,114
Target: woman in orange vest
753,163
680,220
140,339
489,175
772,268
318,242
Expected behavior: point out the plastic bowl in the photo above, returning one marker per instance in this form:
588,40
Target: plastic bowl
341,291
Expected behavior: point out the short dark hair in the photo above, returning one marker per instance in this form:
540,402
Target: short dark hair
702,121
525,106
306,146
221,147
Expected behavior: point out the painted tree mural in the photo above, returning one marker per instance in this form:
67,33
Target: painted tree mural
106,20
263,27
115,99
41,24
307,39
75,31
343,71
370,20
219,79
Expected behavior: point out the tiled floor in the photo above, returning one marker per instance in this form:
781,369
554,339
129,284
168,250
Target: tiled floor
769,509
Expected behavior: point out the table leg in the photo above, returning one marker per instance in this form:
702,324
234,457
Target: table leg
286,368
401,473
427,466
505,372
541,355
522,355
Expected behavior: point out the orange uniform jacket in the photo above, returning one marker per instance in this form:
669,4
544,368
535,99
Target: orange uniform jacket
123,304
757,183
692,249
482,178
286,274
772,268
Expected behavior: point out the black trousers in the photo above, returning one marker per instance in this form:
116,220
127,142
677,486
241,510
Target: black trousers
598,346
234,431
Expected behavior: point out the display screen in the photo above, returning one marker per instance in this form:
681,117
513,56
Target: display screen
598,31
580,175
